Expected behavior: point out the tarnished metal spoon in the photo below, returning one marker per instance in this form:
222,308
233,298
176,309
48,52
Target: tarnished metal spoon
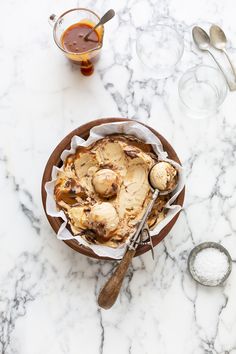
219,41
202,40
105,18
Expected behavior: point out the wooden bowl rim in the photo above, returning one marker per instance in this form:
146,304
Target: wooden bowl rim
54,159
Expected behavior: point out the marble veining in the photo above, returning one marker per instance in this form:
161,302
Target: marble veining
47,291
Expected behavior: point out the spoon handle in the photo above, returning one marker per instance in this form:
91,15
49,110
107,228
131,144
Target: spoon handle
105,18
143,221
232,86
229,60
111,289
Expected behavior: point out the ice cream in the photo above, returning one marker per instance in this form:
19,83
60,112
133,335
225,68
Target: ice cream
78,217
105,183
104,189
103,219
163,176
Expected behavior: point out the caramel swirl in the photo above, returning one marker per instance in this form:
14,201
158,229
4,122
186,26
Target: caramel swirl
104,189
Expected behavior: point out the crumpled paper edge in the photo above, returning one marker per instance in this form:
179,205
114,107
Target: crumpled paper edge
96,133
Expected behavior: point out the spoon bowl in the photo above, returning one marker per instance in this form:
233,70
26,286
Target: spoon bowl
201,38
218,37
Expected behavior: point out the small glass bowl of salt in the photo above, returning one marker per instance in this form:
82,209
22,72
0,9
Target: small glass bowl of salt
209,264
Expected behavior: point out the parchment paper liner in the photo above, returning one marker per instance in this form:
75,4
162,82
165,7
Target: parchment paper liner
96,133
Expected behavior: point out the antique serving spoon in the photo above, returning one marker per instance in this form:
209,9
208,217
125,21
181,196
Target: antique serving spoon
219,41
111,289
202,40
105,18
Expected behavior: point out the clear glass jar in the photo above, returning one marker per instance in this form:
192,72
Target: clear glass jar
60,24
160,48
202,90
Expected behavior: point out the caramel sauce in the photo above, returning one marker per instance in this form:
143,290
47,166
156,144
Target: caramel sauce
73,42
70,193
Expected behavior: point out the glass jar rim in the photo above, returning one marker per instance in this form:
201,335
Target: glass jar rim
192,69
153,28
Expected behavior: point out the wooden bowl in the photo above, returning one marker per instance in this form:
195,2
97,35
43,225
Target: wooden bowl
54,160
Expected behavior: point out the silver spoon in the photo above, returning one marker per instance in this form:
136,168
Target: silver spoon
105,18
202,40
219,41
111,289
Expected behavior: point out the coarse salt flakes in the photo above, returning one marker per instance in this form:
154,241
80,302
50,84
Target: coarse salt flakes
210,265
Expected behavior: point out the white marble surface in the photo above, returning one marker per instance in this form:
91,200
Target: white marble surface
47,291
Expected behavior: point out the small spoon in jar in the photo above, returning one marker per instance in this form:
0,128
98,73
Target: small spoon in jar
105,18
163,178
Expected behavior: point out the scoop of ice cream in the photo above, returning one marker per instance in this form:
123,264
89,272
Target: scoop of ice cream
103,219
163,176
78,217
105,183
